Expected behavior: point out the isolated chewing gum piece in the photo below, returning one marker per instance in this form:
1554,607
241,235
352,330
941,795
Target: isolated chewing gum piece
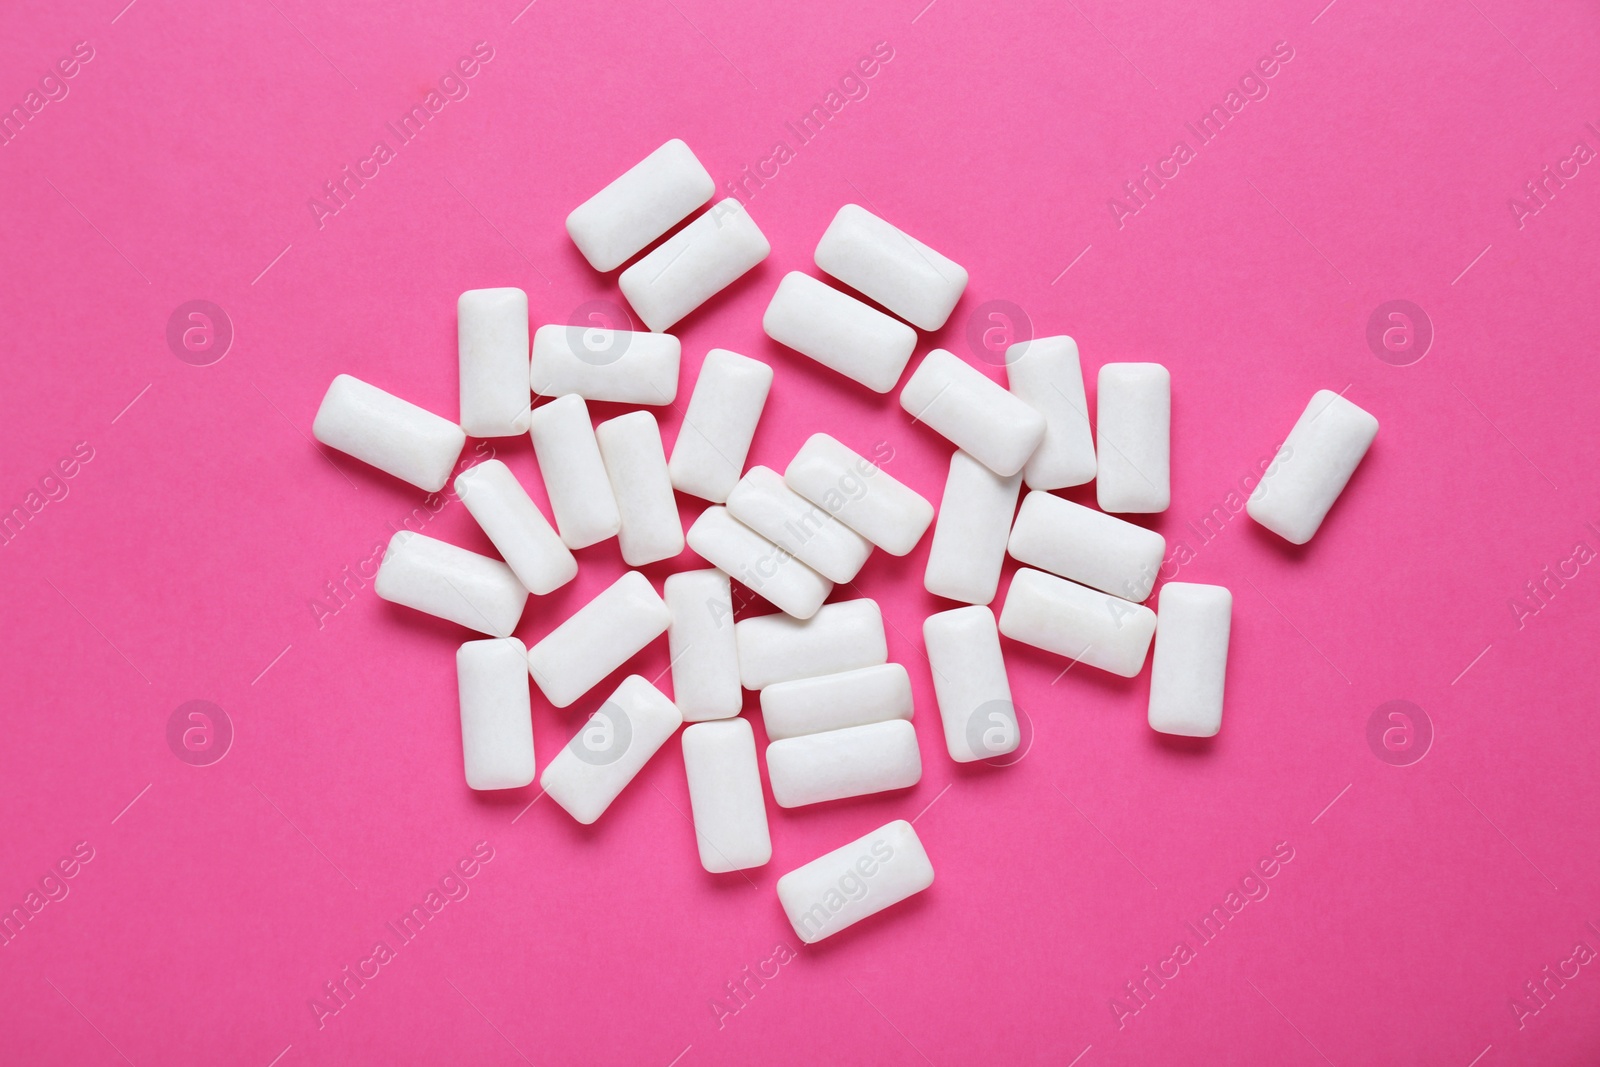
391,434
764,503
1077,622
969,538
717,428
618,366
1190,661
451,583
700,645
496,713
650,198
853,762
855,881
1134,402
886,264
1045,373
574,474
1313,466
730,812
597,639
492,342
976,414
839,331
970,684
630,446
839,637
1088,546
836,701
516,527
612,747
859,494
694,264
767,570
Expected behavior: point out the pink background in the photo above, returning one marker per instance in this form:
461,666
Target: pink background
183,562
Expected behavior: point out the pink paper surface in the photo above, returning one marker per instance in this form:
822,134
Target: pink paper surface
184,560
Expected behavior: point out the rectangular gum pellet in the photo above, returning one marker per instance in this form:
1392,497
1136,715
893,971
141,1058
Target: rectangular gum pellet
1088,546
840,637
619,366
630,446
1134,402
969,537
574,474
886,264
701,647
1075,621
1313,467
1190,661
496,715
764,503
515,525
853,762
839,331
451,583
694,264
836,701
730,812
855,881
597,639
650,198
492,346
859,494
767,570
612,747
391,434
970,684
1045,373
714,438
973,412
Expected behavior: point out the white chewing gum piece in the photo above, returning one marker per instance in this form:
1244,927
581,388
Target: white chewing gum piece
888,265
597,639
839,637
391,434
451,583
611,749
649,198
492,346
1072,620
694,264
859,494
973,412
836,701
970,684
574,474
855,881
761,566
636,466
763,502
516,527
839,331
714,438
969,537
1134,402
1313,467
701,647
617,366
730,812
1190,662
496,715
1046,374
1087,546
853,762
